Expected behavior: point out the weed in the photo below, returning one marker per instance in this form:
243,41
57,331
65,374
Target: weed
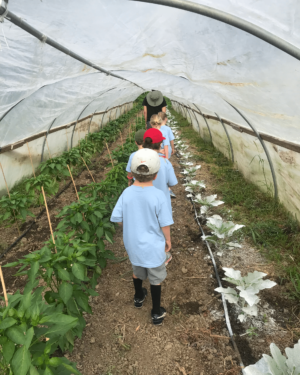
176,308
251,331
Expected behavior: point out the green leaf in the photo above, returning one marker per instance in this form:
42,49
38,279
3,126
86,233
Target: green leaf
58,319
59,330
33,371
85,226
78,271
13,264
16,335
23,213
72,369
86,236
55,361
99,232
48,371
63,274
108,236
78,217
33,270
26,301
8,322
29,337
101,245
8,350
21,361
99,214
65,291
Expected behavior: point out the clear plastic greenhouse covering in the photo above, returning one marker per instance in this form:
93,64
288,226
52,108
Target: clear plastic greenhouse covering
195,60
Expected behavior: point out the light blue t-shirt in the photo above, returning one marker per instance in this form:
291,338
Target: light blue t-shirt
166,130
165,178
143,211
165,142
170,133
128,168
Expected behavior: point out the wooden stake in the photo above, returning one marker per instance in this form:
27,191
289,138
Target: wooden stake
88,169
48,148
109,155
3,287
67,139
9,198
122,140
48,215
73,182
30,159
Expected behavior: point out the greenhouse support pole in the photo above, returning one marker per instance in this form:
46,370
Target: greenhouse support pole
45,39
196,119
97,108
205,121
232,20
43,147
228,137
265,149
103,118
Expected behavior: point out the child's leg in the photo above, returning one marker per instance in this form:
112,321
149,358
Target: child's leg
138,283
156,277
156,294
139,274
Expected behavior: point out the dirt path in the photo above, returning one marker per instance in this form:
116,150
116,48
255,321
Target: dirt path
120,339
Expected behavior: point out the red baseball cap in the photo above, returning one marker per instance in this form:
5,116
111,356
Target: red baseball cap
154,134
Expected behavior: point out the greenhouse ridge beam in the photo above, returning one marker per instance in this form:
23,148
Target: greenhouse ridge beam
232,20
45,39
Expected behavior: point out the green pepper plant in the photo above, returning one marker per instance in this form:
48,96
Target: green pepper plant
34,186
15,207
30,331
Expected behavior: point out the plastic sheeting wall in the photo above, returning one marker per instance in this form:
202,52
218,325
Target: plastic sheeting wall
251,161
17,164
191,58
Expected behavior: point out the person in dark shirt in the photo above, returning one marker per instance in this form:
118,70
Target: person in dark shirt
153,103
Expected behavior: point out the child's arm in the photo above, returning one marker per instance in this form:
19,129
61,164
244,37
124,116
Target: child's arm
166,148
167,234
173,148
120,224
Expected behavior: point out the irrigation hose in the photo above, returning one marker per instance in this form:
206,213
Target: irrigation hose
227,319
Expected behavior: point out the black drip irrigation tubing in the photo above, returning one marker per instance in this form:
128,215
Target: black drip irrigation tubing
227,319
42,212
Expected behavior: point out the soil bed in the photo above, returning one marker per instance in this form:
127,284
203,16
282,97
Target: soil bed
120,339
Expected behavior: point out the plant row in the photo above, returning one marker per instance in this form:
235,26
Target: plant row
62,275
244,295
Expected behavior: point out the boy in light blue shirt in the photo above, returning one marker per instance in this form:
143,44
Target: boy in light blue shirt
143,212
139,136
168,130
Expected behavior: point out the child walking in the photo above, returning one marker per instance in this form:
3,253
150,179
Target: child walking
143,212
166,176
139,136
156,123
166,128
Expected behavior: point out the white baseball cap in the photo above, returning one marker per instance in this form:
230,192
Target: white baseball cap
146,157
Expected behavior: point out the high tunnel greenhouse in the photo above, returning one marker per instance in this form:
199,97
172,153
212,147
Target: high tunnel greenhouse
73,75
231,67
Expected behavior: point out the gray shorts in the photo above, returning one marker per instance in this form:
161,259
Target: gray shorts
155,275
148,125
